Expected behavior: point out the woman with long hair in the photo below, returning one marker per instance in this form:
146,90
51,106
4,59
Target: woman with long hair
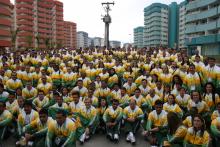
210,96
176,131
197,134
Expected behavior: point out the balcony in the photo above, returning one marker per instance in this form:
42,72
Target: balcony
5,22
204,40
4,11
25,17
199,3
202,15
5,33
29,6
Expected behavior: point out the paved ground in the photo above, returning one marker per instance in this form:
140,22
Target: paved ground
98,140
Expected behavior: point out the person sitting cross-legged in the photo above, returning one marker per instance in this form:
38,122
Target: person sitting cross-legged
88,118
132,116
36,131
156,128
112,118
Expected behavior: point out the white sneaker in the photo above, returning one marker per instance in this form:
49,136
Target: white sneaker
132,138
128,137
82,137
116,137
109,135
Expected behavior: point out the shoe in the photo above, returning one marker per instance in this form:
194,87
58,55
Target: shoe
87,137
82,138
116,137
128,139
132,138
109,136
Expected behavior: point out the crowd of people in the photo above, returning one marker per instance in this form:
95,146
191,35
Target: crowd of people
60,96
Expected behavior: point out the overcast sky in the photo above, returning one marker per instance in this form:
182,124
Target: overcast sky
126,15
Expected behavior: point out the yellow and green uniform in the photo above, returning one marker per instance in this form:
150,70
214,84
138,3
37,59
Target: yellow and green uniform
82,91
130,88
124,101
177,138
160,121
29,94
166,78
69,79
144,90
25,119
112,80
201,106
113,115
103,92
196,138
183,101
192,82
136,114
215,114
208,98
215,129
5,120
173,108
12,85
75,108
46,88
38,131
11,107
151,100
88,118
211,74
56,78
63,135
40,104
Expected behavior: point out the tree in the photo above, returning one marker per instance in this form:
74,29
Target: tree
14,34
29,40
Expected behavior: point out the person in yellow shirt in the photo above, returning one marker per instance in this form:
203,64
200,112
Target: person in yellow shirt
61,131
82,90
215,130
41,101
197,134
132,115
26,116
171,106
88,119
151,98
156,128
29,92
12,103
5,120
112,118
130,86
104,91
210,97
36,131
13,83
113,78
216,112
44,86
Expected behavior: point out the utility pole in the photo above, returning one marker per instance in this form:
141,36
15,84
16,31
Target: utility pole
107,20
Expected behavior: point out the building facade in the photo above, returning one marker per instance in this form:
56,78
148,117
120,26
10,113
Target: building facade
82,39
5,23
173,25
97,41
203,26
115,44
39,23
139,37
156,25
70,34
182,25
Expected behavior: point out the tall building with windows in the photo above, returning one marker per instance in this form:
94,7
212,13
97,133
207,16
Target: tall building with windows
139,37
70,34
173,24
156,25
82,39
5,23
182,25
203,26
115,44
